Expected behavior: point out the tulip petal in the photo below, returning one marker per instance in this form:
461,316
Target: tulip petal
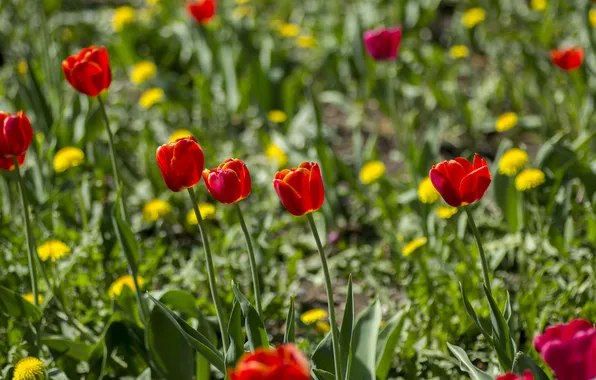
224,185
479,162
317,190
468,168
290,198
442,183
474,185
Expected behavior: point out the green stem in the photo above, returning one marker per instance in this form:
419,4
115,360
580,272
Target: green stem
332,320
539,225
84,217
112,152
210,272
480,249
253,262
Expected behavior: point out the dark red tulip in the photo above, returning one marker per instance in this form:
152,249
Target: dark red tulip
512,376
8,163
15,134
284,362
181,163
202,10
89,71
300,189
459,182
568,59
229,182
383,44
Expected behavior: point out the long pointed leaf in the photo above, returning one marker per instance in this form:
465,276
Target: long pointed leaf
388,340
467,365
347,330
290,323
255,329
364,343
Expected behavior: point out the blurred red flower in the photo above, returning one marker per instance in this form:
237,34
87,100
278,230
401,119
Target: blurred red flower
300,189
568,59
284,362
8,163
89,71
202,10
15,134
512,376
181,163
459,182
383,44
229,182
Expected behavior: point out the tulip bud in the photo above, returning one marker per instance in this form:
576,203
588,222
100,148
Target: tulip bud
300,189
89,71
181,163
284,362
15,134
568,59
383,44
229,182
202,10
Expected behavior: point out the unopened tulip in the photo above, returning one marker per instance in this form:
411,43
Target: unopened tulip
15,134
181,163
89,71
300,189
229,182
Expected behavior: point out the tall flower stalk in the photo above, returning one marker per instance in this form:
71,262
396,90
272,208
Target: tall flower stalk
253,262
483,261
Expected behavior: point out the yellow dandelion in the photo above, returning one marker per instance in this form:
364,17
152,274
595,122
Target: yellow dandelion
512,161
126,280
459,51
179,134
289,30
277,116
243,11
306,42
446,212
529,179
29,298
322,327
151,97
592,15
538,5
506,121
412,246
473,17
242,2
142,72
427,192
121,17
207,211
68,157
29,368
22,67
53,249
372,171
312,316
156,209
151,3
273,152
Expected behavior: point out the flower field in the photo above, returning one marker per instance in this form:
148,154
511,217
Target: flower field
324,190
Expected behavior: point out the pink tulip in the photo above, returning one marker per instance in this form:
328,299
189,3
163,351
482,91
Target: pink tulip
383,44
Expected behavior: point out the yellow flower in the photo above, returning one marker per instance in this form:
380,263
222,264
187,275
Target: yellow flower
151,97
289,30
156,209
277,116
412,246
306,42
539,5
66,34
459,51
273,152
207,211
427,192
506,121
372,171
22,67
68,157
243,11
315,315
446,212
122,16
29,368
322,327
53,249
473,17
241,2
179,134
151,3
529,179
126,280
142,72
29,298
593,17
512,161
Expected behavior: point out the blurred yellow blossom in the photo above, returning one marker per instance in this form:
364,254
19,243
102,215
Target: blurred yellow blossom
506,121
122,16
151,97
313,315
179,134
427,192
289,30
241,2
66,34
412,246
592,15
446,212
151,3
539,5
529,179
22,67
29,298
29,368
273,152
52,249
306,42
142,72
68,157
322,327
372,171
156,209
126,280
459,51
512,161
242,11
207,211
277,116
473,17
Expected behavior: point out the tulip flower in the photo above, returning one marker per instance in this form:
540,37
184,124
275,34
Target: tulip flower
300,189
568,59
284,362
569,350
202,10
181,163
89,71
460,182
229,182
15,134
383,44
8,163
512,376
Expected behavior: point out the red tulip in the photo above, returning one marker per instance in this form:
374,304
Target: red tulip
300,189
383,44
459,182
181,163
8,163
15,134
202,10
512,376
229,182
89,71
569,350
284,362
568,59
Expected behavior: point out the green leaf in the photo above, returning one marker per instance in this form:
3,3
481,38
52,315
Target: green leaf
229,71
236,348
523,362
290,323
501,335
323,355
323,375
387,342
57,374
466,364
364,343
255,329
347,330
76,350
473,315
16,306
145,375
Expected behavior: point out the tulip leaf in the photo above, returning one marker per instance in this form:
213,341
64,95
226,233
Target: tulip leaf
473,315
290,323
76,350
501,336
323,355
523,362
145,375
466,364
347,331
323,375
236,348
364,343
16,306
255,329
387,343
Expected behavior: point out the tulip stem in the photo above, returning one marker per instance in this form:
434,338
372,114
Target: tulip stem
480,249
112,152
331,303
253,262
210,272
